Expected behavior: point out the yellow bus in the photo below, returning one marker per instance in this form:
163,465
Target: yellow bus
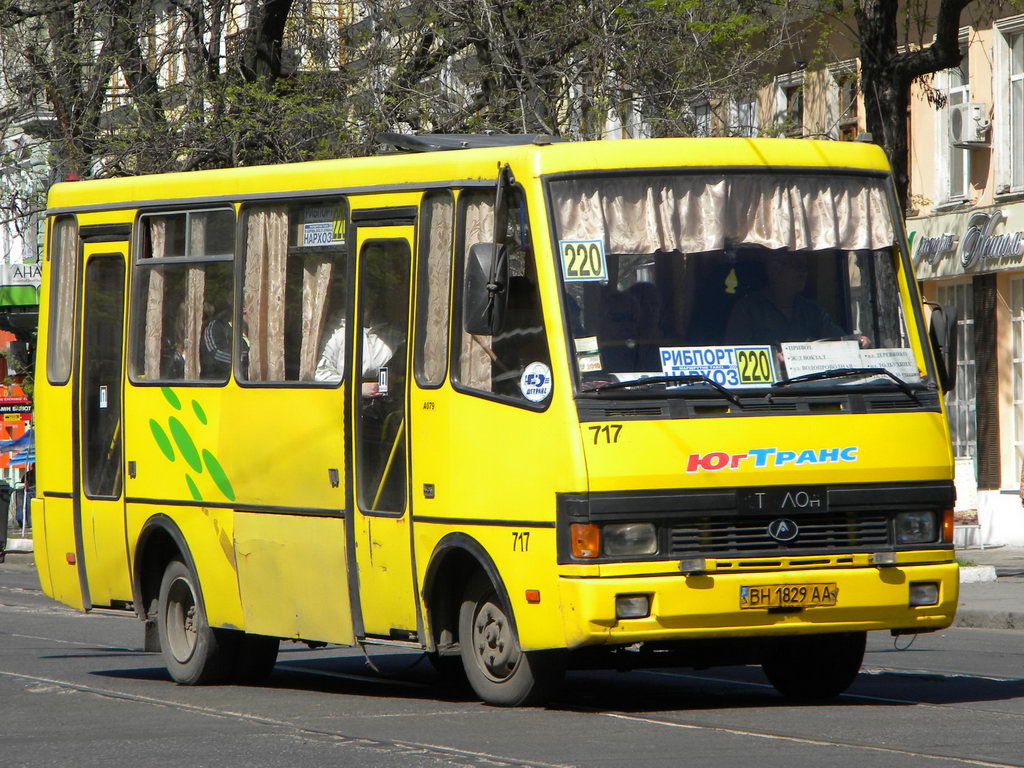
515,403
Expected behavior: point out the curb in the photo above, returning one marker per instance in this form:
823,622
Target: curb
977,573
978,619
19,545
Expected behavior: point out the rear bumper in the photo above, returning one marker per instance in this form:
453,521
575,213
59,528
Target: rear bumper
687,607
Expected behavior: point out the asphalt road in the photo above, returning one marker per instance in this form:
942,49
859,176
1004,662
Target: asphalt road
76,690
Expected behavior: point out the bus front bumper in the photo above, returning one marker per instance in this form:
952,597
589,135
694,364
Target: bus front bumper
709,605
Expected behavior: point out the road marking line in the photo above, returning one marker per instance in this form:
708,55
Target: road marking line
358,741
807,740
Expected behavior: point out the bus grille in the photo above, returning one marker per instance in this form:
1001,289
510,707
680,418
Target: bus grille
749,533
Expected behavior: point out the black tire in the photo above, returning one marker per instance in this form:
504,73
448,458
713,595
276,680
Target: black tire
255,656
498,670
815,667
193,653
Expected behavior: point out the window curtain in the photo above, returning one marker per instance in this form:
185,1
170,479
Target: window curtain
65,266
316,280
475,354
266,250
439,267
155,299
195,290
693,214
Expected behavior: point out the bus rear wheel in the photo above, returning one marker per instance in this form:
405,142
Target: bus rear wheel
498,670
193,652
815,667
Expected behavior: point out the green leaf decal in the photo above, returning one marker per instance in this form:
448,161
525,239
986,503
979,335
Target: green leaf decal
219,476
200,413
185,444
193,488
161,439
171,398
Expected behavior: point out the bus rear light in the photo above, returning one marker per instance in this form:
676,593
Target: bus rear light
586,540
947,526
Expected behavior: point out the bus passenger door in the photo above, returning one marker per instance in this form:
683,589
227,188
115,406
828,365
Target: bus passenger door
99,493
381,528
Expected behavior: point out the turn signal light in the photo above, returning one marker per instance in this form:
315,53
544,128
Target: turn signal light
586,540
947,526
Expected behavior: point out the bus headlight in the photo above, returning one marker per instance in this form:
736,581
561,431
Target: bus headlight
625,539
915,527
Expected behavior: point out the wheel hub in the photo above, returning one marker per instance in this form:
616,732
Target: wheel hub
181,620
494,642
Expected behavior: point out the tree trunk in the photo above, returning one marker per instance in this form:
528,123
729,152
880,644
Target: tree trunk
887,73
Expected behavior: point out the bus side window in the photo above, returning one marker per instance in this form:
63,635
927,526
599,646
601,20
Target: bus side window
495,364
63,281
433,285
293,290
183,289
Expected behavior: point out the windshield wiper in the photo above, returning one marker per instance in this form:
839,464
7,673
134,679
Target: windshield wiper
838,373
688,379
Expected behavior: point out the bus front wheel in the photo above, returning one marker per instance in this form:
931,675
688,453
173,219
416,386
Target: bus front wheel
499,671
193,652
815,667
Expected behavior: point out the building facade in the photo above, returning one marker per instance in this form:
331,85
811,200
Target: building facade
967,243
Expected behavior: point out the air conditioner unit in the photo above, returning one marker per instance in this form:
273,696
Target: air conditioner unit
968,125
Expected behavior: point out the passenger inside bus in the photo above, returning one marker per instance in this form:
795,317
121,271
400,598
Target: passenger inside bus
376,354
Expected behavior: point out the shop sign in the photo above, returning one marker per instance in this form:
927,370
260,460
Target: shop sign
981,242
968,242
20,274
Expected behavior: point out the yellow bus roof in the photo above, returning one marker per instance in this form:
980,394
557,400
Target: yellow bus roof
383,171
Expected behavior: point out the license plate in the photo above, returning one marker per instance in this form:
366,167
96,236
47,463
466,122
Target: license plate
788,595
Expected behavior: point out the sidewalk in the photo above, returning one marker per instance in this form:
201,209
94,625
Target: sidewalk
995,604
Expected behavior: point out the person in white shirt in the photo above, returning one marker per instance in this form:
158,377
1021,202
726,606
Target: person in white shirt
376,354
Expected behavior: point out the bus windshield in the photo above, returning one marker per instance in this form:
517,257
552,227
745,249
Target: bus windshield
746,279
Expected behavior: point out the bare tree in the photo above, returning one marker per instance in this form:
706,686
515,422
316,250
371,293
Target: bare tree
899,44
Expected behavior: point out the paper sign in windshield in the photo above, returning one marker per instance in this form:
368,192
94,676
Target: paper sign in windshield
816,356
323,225
588,354
733,367
583,260
898,360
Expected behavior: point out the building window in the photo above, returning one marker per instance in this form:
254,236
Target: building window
846,123
1017,330
701,119
1016,132
961,402
1007,133
744,117
957,91
789,105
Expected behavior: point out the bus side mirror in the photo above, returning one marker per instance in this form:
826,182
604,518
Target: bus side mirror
943,336
485,299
